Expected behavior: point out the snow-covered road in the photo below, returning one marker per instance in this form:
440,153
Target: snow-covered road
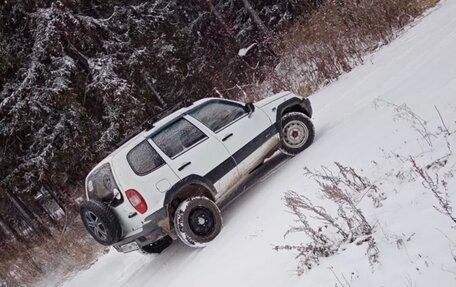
418,69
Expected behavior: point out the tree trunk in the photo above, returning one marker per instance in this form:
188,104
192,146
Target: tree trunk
159,99
34,222
218,16
254,15
53,194
26,214
7,230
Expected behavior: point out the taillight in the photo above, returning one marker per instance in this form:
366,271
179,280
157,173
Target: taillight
136,200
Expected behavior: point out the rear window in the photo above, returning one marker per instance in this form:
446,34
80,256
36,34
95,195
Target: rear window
143,159
177,138
101,185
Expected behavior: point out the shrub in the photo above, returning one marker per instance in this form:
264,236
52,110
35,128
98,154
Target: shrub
345,189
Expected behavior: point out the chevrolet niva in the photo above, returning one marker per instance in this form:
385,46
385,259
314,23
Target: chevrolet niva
167,182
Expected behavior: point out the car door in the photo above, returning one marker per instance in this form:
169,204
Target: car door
247,135
190,151
138,166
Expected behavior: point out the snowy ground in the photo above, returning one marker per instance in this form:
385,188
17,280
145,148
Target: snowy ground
418,69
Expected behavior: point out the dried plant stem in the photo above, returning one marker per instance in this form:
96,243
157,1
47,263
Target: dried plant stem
351,225
433,185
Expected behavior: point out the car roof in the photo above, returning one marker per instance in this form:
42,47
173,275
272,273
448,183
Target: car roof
169,118
156,126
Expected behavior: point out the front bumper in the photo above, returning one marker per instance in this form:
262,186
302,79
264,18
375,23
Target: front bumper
150,233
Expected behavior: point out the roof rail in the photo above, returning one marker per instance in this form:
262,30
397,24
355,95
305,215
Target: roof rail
149,123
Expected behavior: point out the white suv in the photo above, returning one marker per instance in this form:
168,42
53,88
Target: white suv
167,182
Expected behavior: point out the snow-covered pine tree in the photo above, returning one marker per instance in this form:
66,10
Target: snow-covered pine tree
76,76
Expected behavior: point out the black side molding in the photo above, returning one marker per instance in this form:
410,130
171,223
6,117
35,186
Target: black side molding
189,180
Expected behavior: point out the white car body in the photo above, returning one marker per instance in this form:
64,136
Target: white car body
219,160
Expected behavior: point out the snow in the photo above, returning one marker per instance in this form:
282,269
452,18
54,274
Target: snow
417,244
243,51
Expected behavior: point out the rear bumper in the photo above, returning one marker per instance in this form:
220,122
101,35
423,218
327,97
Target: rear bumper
150,233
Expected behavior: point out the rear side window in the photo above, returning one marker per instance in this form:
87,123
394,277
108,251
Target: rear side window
101,185
217,115
143,159
178,138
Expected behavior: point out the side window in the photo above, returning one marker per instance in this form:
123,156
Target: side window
217,115
143,159
178,137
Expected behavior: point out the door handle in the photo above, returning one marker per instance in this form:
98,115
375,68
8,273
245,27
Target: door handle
227,137
184,166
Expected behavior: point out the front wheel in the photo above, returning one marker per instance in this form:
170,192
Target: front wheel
297,133
197,221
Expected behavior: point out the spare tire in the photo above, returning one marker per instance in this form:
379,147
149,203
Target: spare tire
101,222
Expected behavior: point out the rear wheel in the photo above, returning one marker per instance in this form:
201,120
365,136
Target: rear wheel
100,221
197,221
298,133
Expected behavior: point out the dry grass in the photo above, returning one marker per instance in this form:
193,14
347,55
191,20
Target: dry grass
347,224
334,39
425,4
433,179
315,51
25,263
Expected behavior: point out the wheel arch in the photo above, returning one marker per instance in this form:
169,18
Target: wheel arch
292,105
192,185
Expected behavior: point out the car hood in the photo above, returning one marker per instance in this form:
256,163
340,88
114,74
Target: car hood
271,99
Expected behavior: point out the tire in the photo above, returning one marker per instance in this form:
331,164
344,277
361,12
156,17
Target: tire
101,222
158,246
197,221
297,133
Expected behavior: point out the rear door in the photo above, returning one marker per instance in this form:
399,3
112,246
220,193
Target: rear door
190,151
247,137
140,167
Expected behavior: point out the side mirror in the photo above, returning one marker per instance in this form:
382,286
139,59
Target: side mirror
250,108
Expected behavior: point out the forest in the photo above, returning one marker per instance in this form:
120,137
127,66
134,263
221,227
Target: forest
78,76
